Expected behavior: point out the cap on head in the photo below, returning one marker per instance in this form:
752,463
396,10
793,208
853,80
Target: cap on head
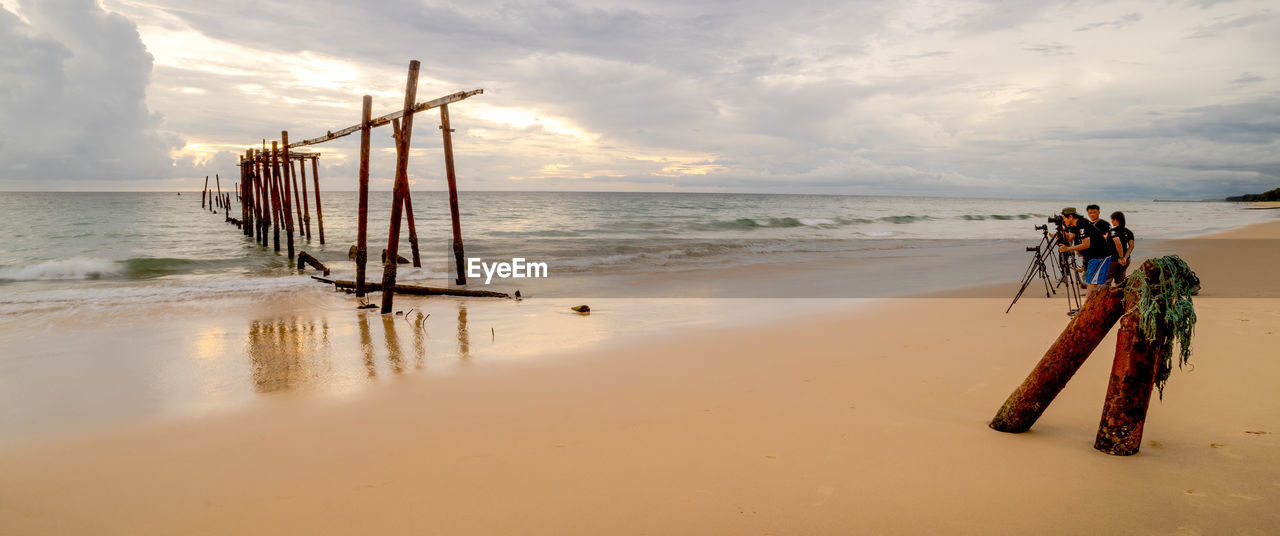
1070,211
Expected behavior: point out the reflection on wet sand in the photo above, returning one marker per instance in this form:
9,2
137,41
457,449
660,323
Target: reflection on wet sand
366,347
464,338
287,353
393,343
295,353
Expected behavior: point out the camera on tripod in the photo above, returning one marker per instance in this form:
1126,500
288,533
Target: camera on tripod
1054,269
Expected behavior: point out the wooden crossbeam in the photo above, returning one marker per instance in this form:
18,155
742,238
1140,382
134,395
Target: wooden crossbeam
386,119
292,157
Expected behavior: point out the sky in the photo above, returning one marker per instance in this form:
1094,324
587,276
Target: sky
1021,99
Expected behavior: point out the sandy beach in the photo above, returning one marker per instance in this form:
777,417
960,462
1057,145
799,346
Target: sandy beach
872,419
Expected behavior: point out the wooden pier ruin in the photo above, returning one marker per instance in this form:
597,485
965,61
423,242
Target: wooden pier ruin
273,196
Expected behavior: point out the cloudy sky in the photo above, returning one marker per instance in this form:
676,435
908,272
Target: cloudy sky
1171,99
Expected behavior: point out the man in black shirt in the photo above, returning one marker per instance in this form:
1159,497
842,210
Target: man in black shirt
1093,246
1121,240
1095,212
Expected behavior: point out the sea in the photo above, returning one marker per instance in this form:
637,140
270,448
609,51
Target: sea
114,249
125,308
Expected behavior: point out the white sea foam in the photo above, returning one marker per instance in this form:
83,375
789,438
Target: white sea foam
150,292
72,268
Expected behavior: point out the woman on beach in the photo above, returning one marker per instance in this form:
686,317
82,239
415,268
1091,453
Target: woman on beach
1120,238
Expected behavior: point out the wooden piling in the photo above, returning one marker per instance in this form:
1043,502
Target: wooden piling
1082,334
205,191
315,176
273,170
256,179
458,255
218,180
246,186
362,219
286,172
305,259
306,208
260,189
401,185
293,180
1133,375
408,207
266,214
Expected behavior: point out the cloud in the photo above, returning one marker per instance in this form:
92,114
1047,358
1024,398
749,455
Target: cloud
1121,22
73,99
1222,25
1248,78
1049,49
939,98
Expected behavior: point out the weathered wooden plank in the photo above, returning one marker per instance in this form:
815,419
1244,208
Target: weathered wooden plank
386,119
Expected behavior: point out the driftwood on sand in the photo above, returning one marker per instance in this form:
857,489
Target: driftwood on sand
416,290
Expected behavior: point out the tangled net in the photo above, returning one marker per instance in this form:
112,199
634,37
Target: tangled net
1165,312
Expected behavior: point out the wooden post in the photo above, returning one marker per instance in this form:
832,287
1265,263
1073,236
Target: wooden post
267,215
259,207
218,180
205,191
273,170
304,259
256,179
306,205
459,262
1133,375
1089,326
362,218
408,207
293,180
246,189
247,198
286,172
315,176
401,184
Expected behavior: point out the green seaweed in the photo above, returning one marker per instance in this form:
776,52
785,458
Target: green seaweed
1165,311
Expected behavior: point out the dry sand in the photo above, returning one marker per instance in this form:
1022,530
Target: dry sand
867,421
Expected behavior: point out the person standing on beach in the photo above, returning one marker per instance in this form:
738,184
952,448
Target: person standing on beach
1095,213
1093,246
1121,240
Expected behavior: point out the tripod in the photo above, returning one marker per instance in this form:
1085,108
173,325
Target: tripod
1062,271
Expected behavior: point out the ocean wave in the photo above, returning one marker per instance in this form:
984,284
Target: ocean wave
904,219
149,267
1002,217
780,223
62,269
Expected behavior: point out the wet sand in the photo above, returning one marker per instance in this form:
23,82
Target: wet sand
870,420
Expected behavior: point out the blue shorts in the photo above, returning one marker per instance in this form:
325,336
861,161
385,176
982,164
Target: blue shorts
1095,272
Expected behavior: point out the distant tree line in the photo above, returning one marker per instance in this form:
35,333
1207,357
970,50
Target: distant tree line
1271,195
